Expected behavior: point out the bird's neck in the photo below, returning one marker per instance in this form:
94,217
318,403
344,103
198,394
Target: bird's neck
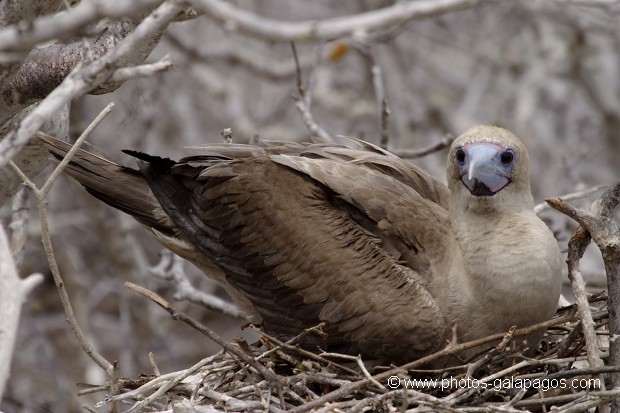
505,270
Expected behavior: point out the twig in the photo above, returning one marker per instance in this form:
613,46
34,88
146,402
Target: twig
601,395
304,353
418,153
448,351
598,224
302,103
176,314
227,135
379,90
76,146
300,84
543,206
41,201
254,61
145,70
162,389
170,268
318,55
385,124
153,363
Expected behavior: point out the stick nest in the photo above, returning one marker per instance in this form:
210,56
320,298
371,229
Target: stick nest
274,376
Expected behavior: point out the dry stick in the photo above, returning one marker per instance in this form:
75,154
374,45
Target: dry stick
418,153
161,391
447,351
302,352
385,124
145,70
170,268
40,197
318,54
302,103
380,99
227,135
543,206
598,224
576,248
465,392
176,314
604,395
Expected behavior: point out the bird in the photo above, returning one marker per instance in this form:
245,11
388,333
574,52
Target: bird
392,262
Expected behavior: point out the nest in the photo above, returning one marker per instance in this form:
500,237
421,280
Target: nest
271,375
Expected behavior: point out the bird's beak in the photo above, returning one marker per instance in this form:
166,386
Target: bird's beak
484,171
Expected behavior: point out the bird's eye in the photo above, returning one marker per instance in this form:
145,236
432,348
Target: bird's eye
507,157
459,155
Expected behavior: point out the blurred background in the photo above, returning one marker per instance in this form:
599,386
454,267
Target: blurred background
547,70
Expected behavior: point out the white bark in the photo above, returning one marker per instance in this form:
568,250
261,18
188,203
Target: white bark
13,291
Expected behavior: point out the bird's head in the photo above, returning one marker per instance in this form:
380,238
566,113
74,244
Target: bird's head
489,167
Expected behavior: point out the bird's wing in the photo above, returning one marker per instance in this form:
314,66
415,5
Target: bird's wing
296,245
299,246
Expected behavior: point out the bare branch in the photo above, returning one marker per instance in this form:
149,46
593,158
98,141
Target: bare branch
248,57
145,70
303,100
13,292
41,200
418,153
543,206
597,224
81,81
177,314
68,24
360,24
170,268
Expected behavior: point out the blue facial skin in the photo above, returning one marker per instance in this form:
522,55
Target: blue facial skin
484,168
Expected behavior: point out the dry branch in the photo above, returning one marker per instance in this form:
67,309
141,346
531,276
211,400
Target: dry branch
303,102
597,224
70,23
170,268
41,200
360,24
137,44
176,314
418,153
13,292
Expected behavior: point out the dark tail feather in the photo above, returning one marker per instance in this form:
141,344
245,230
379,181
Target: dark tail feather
118,186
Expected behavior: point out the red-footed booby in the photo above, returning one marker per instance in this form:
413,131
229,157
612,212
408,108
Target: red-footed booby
389,258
